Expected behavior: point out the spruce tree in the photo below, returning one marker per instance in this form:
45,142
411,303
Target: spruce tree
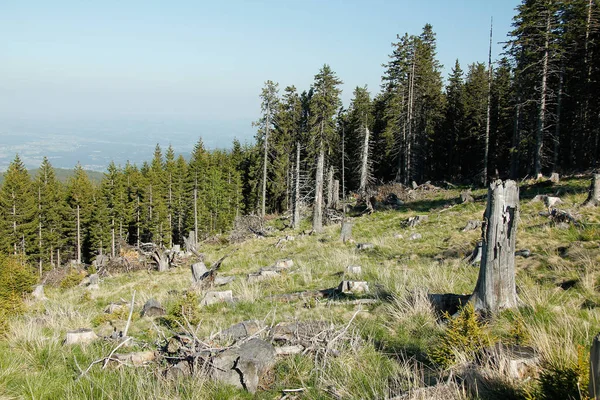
79,194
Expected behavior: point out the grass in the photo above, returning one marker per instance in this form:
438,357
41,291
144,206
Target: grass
398,332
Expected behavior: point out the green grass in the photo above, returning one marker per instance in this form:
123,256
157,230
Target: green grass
398,331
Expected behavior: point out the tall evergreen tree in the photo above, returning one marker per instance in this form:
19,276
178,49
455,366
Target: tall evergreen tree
80,200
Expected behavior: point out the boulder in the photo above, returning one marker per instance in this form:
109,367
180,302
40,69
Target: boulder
242,330
353,269
415,236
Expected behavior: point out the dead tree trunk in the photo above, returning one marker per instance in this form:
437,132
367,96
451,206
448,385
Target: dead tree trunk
346,233
541,122
594,386
265,156
594,192
364,166
486,150
335,202
318,206
495,289
163,259
329,186
296,218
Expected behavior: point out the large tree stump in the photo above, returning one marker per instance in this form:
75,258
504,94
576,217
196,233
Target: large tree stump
594,192
496,289
80,336
346,231
594,388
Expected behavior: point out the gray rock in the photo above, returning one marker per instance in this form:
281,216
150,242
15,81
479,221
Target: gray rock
353,287
262,275
354,269
223,280
365,246
214,297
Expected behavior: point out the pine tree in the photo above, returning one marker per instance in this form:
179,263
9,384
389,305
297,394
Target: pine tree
323,107
80,200
454,124
17,210
50,214
475,106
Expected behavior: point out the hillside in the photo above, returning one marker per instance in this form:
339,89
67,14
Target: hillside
63,174
379,344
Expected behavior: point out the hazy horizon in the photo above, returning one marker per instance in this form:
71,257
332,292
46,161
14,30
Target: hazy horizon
79,78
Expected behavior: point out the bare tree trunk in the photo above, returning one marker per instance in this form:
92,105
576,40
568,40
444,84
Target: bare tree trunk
343,161
296,218
58,257
496,289
489,109
594,192
516,146
364,166
409,138
555,160
196,207
335,202
138,222
40,229
539,136
329,186
264,180
318,206
113,239
78,237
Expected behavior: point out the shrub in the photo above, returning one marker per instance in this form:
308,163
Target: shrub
464,334
185,308
72,279
16,280
565,380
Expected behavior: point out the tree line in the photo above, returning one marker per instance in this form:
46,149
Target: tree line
533,111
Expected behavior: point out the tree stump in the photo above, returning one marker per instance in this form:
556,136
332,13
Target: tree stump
217,297
594,388
593,199
198,269
80,336
335,202
346,231
554,178
496,289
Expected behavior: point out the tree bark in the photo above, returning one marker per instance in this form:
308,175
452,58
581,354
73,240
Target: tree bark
594,192
318,206
539,136
496,289
296,218
489,109
264,180
364,166
594,385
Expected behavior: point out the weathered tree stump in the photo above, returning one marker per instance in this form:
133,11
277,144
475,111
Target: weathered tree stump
152,308
496,289
353,287
38,293
411,222
593,199
198,269
594,388
554,178
80,336
346,231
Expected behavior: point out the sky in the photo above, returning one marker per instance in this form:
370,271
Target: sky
204,63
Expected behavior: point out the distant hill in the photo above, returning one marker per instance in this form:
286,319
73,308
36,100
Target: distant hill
63,174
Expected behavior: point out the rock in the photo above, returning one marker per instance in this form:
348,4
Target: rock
214,297
38,293
80,336
136,359
242,330
525,253
152,308
262,275
223,280
415,236
465,197
472,225
398,236
365,246
244,367
353,287
354,269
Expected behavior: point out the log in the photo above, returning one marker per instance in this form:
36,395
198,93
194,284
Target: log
495,289
593,199
594,386
80,336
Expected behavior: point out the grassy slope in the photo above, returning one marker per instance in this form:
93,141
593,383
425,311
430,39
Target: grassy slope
398,333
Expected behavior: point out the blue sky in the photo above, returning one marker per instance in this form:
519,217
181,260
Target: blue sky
207,61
